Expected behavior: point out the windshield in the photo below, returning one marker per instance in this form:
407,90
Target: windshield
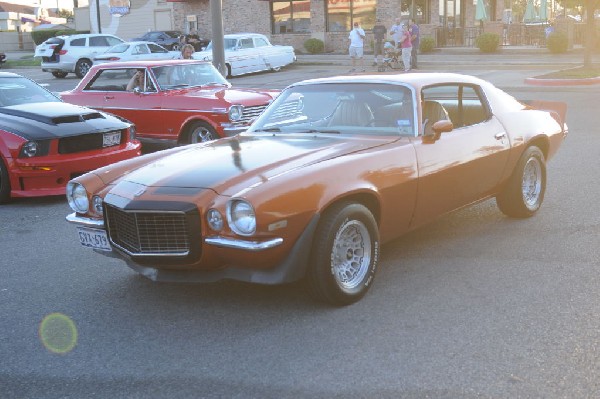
18,90
119,48
229,44
348,108
188,75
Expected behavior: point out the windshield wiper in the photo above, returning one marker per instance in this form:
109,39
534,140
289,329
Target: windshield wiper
214,84
179,86
318,131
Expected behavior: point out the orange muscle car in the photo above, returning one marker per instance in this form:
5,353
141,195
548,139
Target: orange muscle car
332,169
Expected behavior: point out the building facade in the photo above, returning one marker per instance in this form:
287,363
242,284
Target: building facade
292,22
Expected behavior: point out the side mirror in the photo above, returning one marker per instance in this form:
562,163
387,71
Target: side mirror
439,127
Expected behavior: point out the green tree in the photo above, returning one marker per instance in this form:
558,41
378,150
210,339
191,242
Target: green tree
588,8
65,14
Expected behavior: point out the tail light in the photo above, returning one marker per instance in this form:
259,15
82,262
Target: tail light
62,52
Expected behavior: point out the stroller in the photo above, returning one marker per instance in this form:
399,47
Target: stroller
392,57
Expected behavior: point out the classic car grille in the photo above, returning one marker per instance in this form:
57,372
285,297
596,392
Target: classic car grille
148,232
84,142
252,112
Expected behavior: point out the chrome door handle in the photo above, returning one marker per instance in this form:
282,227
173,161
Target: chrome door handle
500,136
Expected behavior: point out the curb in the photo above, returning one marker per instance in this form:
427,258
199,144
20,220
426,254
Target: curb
562,82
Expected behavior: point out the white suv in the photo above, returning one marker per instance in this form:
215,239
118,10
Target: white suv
65,54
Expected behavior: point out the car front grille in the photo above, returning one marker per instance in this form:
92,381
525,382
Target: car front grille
250,113
150,233
84,142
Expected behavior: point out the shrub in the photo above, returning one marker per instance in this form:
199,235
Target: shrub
427,44
488,42
557,42
314,46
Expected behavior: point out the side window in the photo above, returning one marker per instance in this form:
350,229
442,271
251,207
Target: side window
108,80
474,111
98,41
438,103
141,49
154,48
112,41
246,43
78,42
260,42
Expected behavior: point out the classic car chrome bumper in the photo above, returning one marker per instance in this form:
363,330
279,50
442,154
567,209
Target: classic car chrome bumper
86,222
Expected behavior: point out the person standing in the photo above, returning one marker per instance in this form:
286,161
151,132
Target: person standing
396,32
357,38
415,35
406,45
379,32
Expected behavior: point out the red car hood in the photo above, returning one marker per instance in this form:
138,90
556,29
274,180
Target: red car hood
232,95
229,165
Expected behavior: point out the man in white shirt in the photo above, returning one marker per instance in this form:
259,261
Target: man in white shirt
396,32
357,38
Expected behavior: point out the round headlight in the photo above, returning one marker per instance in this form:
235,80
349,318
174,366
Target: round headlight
97,204
214,219
235,113
29,149
241,218
77,197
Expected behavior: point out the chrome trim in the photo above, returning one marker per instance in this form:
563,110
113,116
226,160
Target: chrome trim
232,131
86,222
253,246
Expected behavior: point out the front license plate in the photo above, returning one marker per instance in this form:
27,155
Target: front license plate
93,238
110,139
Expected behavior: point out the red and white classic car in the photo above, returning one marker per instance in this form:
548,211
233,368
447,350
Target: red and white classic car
177,102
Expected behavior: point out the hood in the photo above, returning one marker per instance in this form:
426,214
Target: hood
48,120
228,165
242,96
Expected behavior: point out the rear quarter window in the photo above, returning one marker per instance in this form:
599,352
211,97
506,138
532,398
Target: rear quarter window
78,42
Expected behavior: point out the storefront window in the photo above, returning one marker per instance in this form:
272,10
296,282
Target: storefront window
291,16
341,14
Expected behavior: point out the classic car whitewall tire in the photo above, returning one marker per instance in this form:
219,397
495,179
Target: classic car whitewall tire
524,192
199,132
82,67
345,254
4,184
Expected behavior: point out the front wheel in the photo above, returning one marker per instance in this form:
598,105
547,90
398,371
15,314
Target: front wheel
344,256
524,191
82,67
59,74
4,184
199,132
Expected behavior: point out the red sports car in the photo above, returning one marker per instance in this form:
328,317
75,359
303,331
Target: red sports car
45,142
171,102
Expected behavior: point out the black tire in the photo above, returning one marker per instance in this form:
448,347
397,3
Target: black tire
60,74
4,184
229,75
175,47
82,67
199,132
524,192
345,253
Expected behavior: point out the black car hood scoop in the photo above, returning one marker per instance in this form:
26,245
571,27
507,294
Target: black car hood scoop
52,113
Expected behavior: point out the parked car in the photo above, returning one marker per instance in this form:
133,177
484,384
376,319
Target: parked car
169,39
44,142
250,52
333,168
181,102
136,51
62,55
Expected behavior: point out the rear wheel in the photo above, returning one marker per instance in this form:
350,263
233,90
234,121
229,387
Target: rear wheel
175,47
524,192
82,67
199,132
344,256
4,184
59,74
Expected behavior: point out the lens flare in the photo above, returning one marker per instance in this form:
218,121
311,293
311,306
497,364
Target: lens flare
58,333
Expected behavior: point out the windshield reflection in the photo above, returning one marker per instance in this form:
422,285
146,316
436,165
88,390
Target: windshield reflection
188,75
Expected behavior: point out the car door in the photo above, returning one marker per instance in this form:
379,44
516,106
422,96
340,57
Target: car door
465,164
99,44
107,92
244,57
270,57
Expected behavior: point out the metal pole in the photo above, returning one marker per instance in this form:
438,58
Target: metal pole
98,16
218,45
